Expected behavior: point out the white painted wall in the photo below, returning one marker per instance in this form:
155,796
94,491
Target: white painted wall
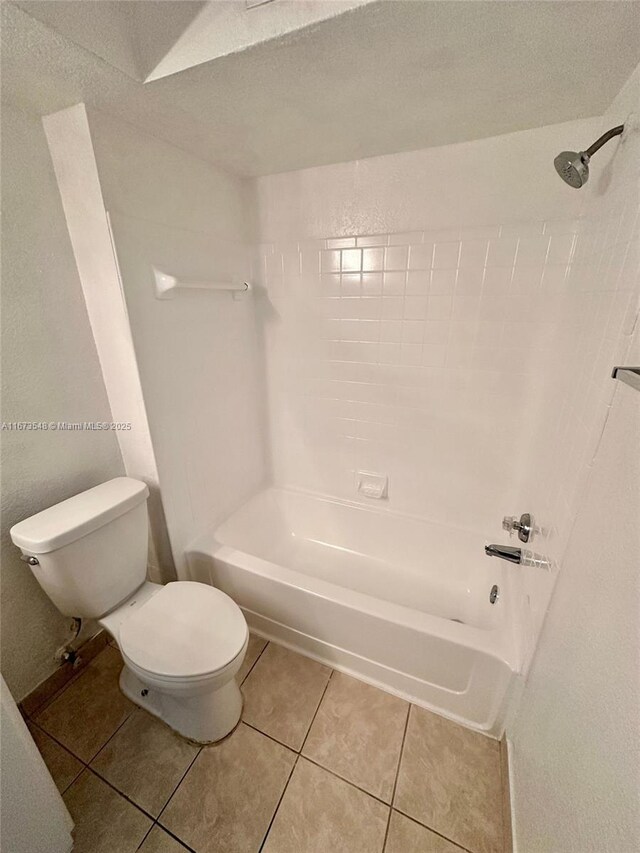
410,353
199,355
574,744
71,149
50,373
575,747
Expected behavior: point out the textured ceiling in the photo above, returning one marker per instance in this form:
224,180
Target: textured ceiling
149,40
385,77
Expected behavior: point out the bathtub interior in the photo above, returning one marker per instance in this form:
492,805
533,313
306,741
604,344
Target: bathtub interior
437,570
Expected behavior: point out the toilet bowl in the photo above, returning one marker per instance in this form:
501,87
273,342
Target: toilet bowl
182,643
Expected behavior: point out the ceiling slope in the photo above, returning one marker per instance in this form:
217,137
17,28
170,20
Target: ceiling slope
381,78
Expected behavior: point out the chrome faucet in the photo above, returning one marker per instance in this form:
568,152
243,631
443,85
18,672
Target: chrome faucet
505,552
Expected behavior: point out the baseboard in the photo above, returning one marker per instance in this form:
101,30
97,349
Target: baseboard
47,689
507,815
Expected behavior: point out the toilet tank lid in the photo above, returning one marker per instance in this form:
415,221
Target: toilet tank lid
77,516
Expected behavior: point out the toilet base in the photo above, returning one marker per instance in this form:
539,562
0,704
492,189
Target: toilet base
204,716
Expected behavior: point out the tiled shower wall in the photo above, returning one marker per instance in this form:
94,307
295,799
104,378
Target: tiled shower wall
468,359
410,355
594,320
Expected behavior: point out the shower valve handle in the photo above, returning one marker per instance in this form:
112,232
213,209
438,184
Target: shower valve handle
523,526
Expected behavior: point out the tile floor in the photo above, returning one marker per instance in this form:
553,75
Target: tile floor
320,762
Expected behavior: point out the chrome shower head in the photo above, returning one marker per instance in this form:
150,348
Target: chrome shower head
573,166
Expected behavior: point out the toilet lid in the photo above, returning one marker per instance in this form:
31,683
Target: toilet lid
184,631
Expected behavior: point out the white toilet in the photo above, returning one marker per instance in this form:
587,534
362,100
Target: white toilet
182,643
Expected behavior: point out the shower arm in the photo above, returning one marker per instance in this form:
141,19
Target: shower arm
597,145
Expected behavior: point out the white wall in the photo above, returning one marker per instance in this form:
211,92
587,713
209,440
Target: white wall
199,355
411,353
50,373
74,162
574,744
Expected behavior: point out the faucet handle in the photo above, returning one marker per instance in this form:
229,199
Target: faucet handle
509,523
523,526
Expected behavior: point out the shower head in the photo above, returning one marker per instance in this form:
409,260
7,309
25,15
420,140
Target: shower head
573,166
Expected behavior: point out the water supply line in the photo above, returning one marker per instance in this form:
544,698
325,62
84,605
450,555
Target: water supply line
67,653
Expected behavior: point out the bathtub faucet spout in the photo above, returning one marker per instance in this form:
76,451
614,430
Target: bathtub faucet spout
505,552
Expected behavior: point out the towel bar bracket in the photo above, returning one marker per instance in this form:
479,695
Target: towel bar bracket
629,375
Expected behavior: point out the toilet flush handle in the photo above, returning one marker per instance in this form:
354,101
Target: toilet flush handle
27,558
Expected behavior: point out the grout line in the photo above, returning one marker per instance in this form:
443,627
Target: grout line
395,781
251,668
295,763
342,779
282,743
173,835
146,835
435,831
119,793
112,735
315,713
275,811
274,739
85,764
404,737
58,742
180,781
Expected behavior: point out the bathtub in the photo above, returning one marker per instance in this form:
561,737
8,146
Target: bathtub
393,600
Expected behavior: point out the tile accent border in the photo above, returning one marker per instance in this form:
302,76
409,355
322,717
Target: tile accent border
63,676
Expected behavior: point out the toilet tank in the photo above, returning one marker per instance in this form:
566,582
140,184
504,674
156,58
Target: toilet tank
91,549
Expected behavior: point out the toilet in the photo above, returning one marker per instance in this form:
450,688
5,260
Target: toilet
182,644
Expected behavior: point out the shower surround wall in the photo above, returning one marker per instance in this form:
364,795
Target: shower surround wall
412,299
594,321
585,671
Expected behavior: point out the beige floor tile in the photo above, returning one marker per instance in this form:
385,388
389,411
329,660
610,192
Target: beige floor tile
321,813
357,733
63,766
145,760
159,841
89,711
254,650
228,798
104,821
282,693
449,780
407,836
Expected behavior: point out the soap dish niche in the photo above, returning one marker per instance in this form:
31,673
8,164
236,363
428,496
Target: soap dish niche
371,485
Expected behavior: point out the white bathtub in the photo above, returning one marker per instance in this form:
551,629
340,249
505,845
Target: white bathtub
396,601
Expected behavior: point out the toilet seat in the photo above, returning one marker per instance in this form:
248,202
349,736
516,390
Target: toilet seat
185,632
